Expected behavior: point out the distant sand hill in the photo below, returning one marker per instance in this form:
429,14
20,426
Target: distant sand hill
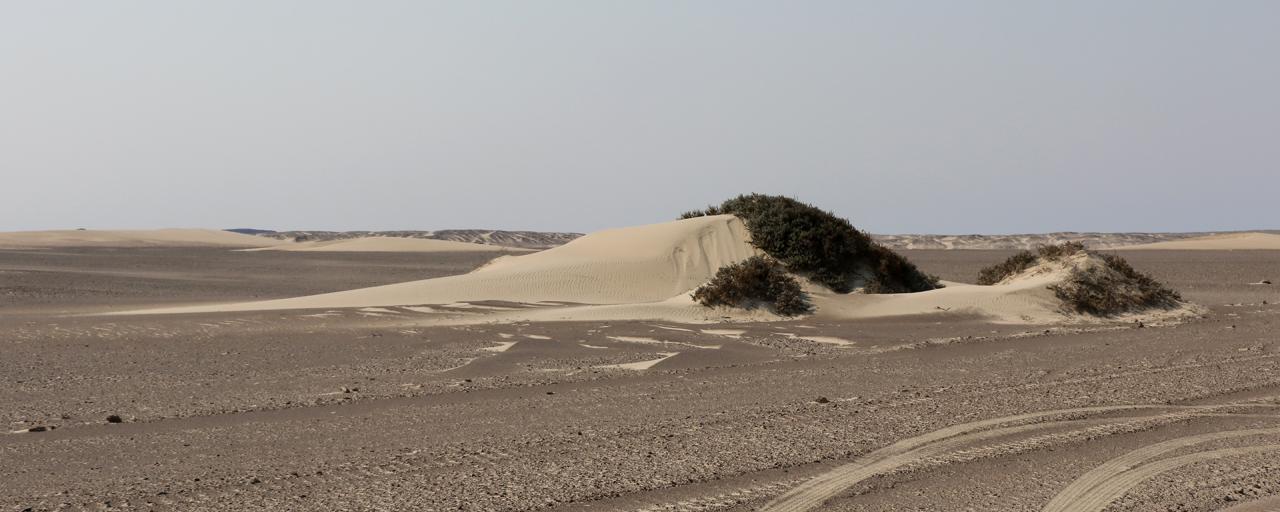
1224,242
130,238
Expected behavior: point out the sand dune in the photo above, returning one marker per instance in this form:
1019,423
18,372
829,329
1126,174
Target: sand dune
1225,242
644,264
649,272
130,238
385,244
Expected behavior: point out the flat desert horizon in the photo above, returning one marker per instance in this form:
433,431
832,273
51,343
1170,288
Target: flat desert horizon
203,369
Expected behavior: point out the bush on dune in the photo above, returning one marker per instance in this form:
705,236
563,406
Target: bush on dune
1024,260
1105,286
753,282
814,243
1113,287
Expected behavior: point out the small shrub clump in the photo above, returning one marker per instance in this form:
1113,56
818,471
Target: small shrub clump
816,244
1113,287
752,282
1026,259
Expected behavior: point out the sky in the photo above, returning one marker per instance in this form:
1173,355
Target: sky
1015,116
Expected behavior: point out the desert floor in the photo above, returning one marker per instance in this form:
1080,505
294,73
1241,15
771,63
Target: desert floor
371,409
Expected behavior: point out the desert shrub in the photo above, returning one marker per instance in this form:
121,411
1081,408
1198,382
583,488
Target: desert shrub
1026,259
752,282
1014,264
1113,287
816,244
1055,252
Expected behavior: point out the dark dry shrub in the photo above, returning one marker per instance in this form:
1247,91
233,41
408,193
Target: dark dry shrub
752,282
816,244
1055,252
1026,259
1017,263
1111,288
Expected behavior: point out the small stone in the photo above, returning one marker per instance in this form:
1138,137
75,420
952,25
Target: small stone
115,418
823,400
40,428
255,480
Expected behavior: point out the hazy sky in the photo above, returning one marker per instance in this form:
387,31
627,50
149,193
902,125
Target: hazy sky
938,117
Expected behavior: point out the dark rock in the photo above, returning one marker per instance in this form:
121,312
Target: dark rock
115,418
823,400
40,428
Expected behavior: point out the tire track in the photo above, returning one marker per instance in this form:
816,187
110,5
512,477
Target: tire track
816,491
813,493
1109,470
1109,491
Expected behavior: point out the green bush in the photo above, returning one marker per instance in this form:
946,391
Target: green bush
1014,264
1113,287
1059,251
1026,259
816,244
752,282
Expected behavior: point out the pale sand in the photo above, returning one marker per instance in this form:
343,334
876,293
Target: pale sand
649,272
1225,242
642,264
387,244
642,365
130,238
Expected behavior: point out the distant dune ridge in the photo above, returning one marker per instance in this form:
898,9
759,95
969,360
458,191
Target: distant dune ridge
1031,241
520,239
1223,242
130,238
386,244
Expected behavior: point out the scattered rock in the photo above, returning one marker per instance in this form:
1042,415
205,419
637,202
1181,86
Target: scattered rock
115,418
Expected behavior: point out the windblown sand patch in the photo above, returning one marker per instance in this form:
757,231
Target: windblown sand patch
1224,242
387,244
130,238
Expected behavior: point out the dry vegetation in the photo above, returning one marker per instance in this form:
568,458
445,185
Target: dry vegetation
756,281
1106,287
816,244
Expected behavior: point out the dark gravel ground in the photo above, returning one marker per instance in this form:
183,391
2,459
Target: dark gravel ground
366,410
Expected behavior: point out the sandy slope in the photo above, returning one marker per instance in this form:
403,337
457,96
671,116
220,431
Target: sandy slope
130,238
1226,242
386,244
641,264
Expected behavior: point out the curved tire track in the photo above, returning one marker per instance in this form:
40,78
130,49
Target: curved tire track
818,490
1101,475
